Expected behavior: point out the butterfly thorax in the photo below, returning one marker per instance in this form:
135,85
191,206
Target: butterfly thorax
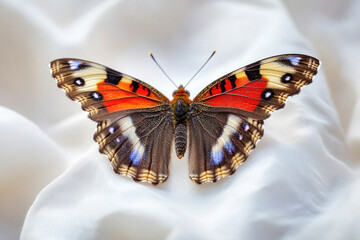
180,106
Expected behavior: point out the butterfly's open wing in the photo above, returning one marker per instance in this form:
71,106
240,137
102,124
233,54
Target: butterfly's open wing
133,117
229,113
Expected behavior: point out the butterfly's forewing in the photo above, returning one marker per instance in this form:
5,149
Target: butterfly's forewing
262,87
103,92
240,101
132,117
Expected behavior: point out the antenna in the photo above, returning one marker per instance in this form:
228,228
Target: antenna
152,56
201,67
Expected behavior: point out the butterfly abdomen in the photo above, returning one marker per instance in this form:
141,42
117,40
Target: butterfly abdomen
180,139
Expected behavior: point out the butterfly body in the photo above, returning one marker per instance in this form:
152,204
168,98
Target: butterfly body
180,106
138,126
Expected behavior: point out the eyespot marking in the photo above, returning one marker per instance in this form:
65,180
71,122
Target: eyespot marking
287,78
96,96
79,82
267,94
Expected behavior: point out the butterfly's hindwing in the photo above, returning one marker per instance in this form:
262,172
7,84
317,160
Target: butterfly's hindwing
219,142
103,92
132,144
262,87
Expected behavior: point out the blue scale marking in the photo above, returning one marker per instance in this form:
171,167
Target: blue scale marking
135,157
74,64
294,60
217,157
230,147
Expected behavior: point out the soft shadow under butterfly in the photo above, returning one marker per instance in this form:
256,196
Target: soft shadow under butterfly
137,125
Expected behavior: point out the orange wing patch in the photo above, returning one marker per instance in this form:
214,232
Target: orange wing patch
127,94
235,93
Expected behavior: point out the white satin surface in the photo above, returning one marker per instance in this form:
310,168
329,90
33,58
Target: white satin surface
301,182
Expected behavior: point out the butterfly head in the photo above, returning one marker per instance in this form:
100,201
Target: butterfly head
181,92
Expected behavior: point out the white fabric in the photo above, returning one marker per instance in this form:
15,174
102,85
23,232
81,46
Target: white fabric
301,182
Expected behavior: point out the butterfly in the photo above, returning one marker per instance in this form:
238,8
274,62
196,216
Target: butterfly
137,126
